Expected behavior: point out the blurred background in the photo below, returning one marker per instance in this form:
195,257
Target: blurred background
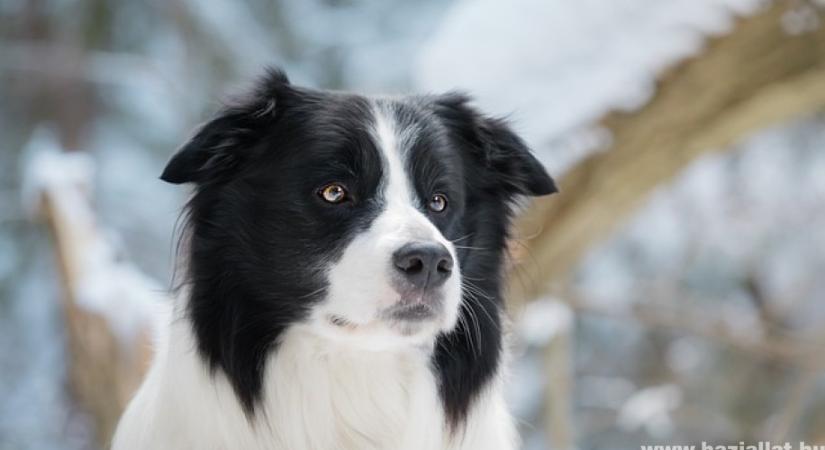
672,293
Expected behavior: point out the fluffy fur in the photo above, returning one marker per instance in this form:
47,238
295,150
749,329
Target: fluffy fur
296,328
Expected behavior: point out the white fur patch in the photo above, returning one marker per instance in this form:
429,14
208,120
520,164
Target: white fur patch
317,395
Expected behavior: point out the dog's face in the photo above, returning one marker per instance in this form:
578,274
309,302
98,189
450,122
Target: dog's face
397,278
376,222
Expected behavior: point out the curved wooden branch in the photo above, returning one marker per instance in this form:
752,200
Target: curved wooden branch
105,367
753,77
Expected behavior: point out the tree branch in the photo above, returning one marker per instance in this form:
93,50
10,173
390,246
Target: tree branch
753,77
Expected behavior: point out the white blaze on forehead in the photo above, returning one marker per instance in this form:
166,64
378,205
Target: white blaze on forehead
390,139
401,215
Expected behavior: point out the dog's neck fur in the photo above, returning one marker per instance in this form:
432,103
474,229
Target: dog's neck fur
317,395
361,399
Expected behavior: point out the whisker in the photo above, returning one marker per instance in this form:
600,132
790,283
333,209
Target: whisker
467,247
476,348
473,292
317,291
463,320
470,286
443,345
471,278
462,238
484,310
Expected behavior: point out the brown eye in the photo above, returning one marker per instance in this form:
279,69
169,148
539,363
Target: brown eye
438,203
333,193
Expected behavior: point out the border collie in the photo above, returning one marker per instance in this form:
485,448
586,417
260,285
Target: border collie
344,259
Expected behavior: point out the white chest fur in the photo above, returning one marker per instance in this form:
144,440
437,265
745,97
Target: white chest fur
316,396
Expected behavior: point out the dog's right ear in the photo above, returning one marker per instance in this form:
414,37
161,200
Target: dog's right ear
224,142
213,151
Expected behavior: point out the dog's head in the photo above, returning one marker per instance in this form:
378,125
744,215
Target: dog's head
375,222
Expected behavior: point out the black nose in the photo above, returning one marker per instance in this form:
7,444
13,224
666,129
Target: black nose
424,264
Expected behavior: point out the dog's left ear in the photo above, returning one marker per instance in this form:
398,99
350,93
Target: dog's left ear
510,157
496,145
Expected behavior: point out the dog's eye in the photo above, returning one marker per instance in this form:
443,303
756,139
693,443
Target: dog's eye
438,203
333,193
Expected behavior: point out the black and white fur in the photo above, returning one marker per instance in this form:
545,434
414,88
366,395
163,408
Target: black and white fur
295,329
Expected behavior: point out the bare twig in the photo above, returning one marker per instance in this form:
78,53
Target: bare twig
692,321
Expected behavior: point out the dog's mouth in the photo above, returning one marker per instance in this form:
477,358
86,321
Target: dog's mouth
402,313
415,312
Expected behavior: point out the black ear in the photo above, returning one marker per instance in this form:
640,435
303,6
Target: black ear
226,141
509,156
496,145
213,151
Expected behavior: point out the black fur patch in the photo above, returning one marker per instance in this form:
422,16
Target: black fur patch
498,166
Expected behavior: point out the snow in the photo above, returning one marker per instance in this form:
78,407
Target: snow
557,66
116,289
544,319
803,18
603,391
686,354
649,409
105,283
